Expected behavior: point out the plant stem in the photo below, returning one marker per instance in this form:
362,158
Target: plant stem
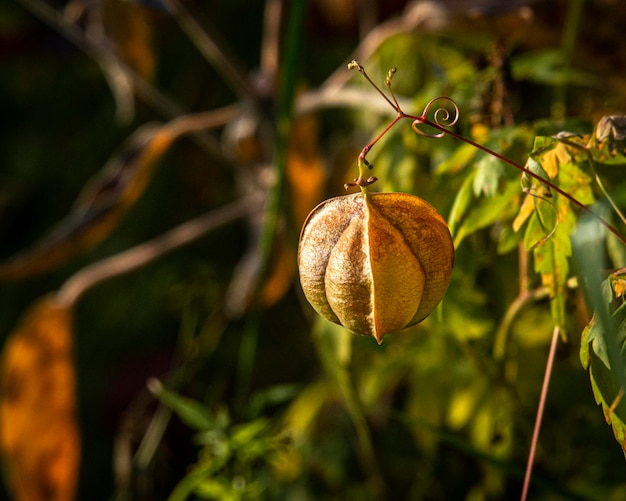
444,129
103,55
286,96
287,89
542,401
223,63
423,120
245,361
334,350
367,454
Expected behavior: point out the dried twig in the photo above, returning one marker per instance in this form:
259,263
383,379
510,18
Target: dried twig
104,55
147,252
214,53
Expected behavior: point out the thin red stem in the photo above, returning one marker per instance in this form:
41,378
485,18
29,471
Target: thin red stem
540,408
367,148
424,120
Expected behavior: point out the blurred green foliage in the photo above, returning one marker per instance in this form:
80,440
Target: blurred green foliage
280,404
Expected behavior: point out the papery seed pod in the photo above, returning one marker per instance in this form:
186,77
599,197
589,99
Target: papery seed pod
375,263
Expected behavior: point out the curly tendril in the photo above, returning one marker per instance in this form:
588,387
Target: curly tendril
443,119
442,116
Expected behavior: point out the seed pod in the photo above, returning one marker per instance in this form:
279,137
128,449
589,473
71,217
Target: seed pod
375,263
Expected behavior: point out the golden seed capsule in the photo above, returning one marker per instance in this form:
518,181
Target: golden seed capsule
375,263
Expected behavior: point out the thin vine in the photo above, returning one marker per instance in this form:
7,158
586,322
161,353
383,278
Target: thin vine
442,121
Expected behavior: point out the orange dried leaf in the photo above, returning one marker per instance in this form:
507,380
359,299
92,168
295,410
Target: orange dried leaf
305,167
282,272
130,27
39,437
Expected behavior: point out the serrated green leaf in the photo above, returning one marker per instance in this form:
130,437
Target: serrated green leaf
552,258
528,182
549,228
603,340
486,211
543,144
489,171
543,224
575,179
551,261
607,392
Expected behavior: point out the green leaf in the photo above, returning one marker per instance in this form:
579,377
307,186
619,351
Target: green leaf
548,66
461,157
575,179
508,240
545,152
552,258
548,231
602,343
489,172
486,211
191,412
528,182
245,433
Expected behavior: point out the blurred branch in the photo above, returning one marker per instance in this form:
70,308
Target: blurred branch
286,102
108,195
367,13
224,63
194,122
345,98
149,251
515,307
270,45
104,55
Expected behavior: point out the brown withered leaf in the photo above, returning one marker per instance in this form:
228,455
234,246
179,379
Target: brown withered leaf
129,26
305,167
608,143
98,209
39,437
283,267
